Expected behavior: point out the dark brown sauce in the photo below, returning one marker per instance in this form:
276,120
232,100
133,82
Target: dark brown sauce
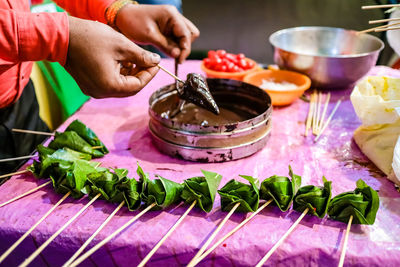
192,114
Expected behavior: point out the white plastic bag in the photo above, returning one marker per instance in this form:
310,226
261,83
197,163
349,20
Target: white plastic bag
376,101
395,174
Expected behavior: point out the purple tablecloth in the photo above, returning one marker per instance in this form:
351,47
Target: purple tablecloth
122,125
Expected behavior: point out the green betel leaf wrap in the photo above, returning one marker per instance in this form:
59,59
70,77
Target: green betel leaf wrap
105,182
49,158
161,191
281,189
73,141
316,199
87,134
362,203
72,176
202,189
130,192
235,192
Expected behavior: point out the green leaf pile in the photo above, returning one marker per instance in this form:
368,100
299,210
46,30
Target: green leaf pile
362,203
235,192
202,189
316,199
281,189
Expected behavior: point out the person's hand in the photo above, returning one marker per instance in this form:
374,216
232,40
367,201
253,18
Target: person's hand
160,25
105,63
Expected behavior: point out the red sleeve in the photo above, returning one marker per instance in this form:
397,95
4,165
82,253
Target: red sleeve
25,36
86,9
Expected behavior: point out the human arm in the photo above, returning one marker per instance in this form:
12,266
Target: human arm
30,37
160,25
86,9
94,54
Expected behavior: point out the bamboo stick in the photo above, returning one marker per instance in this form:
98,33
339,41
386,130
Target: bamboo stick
156,247
321,122
82,248
32,132
111,236
19,241
346,237
377,28
310,114
48,241
272,250
380,6
13,173
24,194
237,228
387,29
328,120
383,20
318,111
214,234
170,73
17,158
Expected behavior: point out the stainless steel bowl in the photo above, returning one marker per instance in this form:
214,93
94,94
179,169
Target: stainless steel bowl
331,57
215,143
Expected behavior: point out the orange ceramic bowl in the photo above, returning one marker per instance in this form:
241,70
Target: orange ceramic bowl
280,97
229,75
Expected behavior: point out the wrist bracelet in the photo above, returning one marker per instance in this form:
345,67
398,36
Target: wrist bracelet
113,9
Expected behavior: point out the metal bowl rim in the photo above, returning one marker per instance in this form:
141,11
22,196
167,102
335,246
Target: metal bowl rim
188,147
277,33
212,128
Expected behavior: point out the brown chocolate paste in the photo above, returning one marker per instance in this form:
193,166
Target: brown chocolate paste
192,114
195,90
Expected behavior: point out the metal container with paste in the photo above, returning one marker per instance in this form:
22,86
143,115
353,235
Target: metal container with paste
242,128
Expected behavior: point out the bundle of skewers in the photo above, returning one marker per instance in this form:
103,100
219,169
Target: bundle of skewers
67,162
317,120
391,23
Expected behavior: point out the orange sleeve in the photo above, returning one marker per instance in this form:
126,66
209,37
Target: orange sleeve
25,36
86,9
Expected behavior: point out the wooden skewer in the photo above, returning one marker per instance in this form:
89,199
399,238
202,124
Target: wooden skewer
46,133
32,132
346,238
170,73
377,28
318,111
328,120
214,234
17,158
108,238
387,29
11,249
310,115
48,241
13,173
380,6
272,250
383,20
237,228
24,194
80,250
314,118
321,122
156,247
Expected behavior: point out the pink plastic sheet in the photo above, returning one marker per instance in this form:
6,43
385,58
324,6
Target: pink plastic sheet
122,125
